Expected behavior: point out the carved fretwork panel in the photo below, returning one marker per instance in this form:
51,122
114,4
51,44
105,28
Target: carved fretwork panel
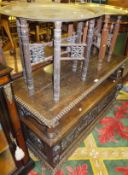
77,51
37,52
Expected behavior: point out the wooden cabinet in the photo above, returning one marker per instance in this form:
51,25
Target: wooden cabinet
9,119
53,131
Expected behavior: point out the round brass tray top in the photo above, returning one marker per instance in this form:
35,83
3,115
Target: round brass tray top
51,12
48,12
105,9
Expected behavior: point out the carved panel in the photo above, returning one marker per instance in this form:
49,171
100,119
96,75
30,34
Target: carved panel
36,140
37,52
22,111
25,113
54,154
56,150
77,51
87,119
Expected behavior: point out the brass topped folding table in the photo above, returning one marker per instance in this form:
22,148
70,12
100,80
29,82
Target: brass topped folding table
57,116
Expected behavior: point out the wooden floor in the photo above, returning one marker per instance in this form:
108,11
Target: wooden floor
13,61
7,165
3,144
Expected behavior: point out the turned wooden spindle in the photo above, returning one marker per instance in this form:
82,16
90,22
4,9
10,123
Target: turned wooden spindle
85,31
25,53
70,29
104,39
114,38
70,34
21,49
57,59
37,33
88,49
97,31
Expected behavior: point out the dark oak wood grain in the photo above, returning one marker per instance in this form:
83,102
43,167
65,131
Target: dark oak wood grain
41,104
9,119
54,142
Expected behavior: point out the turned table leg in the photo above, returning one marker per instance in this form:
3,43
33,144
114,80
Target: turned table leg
37,33
21,49
85,31
104,39
25,53
114,38
88,49
97,31
57,55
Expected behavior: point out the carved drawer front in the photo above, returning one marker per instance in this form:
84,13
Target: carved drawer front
35,143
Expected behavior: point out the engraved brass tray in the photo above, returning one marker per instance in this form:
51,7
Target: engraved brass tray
105,9
50,12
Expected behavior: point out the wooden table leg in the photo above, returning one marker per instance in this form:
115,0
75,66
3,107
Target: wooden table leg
37,33
24,38
5,25
104,39
114,38
97,31
78,40
57,55
21,49
88,49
